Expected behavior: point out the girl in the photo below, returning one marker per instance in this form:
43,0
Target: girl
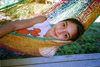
69,29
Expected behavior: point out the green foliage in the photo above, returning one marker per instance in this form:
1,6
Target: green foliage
88,43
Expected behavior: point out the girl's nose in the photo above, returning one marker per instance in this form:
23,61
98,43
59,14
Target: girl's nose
60,31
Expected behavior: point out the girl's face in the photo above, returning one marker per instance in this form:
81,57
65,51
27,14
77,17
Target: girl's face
63,30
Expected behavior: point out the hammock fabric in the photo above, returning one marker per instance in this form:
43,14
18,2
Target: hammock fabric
86,12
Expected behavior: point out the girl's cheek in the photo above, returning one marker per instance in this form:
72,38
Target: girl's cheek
58,26
61,37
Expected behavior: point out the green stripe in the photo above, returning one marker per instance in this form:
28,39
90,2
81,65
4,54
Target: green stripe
17,34
92,22
12,5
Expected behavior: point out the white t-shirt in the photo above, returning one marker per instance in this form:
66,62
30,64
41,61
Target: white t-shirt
44,27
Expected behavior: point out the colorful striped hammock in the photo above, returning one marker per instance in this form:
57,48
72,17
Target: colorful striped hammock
84,11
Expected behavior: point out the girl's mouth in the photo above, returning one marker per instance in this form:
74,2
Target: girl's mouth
55,32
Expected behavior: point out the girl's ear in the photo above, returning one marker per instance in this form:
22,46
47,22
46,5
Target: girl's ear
62,42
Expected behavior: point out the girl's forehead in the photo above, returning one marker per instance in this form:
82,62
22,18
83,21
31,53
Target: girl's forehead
72,29
61,22
65,22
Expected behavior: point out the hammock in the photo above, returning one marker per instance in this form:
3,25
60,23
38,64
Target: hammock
84,11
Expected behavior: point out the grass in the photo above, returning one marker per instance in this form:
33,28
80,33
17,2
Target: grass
89,42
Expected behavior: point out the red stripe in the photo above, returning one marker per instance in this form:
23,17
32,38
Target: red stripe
11,49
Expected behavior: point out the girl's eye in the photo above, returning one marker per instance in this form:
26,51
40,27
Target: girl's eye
63,24
65,35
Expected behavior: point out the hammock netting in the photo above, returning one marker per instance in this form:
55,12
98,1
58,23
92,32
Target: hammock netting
85,11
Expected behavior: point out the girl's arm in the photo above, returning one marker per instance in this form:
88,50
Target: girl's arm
20,24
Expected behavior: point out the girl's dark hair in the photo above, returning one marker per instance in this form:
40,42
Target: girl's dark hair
79,25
